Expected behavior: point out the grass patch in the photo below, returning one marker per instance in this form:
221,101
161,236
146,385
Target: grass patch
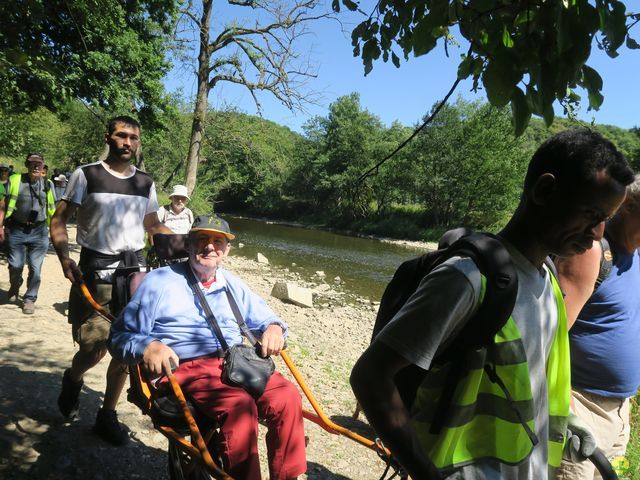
633,449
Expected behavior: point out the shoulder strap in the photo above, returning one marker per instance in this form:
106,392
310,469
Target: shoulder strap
606,262
495,264
211,319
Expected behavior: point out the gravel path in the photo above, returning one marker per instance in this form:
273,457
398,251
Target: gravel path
37,443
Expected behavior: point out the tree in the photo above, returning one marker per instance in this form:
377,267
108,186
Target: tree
344,143
527,53
109,53
260,56
468,166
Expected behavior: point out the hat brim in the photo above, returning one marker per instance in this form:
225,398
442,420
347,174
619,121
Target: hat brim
229,236
178,195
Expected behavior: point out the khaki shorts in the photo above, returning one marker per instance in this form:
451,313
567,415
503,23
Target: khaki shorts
90,330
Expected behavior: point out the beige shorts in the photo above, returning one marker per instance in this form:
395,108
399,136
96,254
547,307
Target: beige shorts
608,419
90,330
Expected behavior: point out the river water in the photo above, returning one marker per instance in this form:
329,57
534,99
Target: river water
364,265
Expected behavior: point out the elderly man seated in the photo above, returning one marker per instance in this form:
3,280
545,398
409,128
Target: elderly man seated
164,321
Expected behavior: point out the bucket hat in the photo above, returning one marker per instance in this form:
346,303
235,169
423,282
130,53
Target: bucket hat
179,191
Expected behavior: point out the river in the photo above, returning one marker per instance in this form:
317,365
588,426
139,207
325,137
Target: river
364,265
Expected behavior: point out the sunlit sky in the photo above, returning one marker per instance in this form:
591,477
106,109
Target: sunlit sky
408,93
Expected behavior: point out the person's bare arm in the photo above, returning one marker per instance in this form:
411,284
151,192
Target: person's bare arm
374,387
577,276
60,239
152,225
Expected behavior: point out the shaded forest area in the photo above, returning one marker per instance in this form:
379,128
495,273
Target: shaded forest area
465,168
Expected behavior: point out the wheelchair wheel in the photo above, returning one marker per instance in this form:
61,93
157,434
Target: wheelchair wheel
182,467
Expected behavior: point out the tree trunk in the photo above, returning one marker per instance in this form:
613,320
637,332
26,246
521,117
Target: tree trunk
200,111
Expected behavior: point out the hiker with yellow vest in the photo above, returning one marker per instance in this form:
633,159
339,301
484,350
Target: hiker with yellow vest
508,413
25,213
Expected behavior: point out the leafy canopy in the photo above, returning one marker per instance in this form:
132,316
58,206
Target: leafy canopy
527,53
110,53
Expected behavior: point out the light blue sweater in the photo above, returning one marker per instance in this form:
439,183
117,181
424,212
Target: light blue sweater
165,308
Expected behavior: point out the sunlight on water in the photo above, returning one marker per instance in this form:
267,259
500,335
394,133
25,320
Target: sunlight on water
365,266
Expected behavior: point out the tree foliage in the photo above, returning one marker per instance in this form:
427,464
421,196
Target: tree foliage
527,54
466,167
109,53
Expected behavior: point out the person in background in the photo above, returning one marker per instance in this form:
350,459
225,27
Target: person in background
115,203
24,215
60,184
176,216
4,180
603,309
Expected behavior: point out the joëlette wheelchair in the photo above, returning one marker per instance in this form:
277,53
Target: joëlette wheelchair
190,433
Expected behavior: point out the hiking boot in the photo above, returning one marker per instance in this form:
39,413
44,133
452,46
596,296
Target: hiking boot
12,296
109,429
69,398
29,308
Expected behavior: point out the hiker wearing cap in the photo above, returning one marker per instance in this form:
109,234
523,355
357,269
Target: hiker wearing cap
603,309
115,203
24,215
507,416
60,184
176,216
164,321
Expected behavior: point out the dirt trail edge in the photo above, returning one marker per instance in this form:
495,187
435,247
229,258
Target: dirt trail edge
36,442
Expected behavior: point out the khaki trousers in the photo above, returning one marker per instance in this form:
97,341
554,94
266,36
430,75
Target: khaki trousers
608,418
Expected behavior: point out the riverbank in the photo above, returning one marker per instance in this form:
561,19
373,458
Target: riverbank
351,233
36,442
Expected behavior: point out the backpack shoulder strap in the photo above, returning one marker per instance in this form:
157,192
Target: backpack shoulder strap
495,264
606,262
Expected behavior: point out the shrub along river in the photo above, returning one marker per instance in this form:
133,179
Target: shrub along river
364,265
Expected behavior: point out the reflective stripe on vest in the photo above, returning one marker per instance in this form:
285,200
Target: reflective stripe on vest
485,422
14,190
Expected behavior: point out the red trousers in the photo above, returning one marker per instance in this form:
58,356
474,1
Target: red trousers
237,414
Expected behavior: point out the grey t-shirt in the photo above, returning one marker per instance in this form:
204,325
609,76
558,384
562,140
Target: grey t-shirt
445,300
31,196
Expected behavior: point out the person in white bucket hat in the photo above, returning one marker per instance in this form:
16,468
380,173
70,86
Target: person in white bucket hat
176,216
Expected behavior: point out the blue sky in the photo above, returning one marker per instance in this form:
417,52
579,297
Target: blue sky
407,93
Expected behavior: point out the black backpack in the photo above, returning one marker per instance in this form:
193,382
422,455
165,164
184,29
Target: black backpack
493,261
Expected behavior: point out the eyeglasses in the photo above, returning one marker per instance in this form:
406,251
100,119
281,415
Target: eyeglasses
35,166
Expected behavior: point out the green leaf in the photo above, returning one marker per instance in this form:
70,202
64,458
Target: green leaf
507,41
395,60
353,6
499,80
465,67
591,78
423,39
520,111
548,114
632,44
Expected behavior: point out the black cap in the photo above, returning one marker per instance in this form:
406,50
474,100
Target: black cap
212,223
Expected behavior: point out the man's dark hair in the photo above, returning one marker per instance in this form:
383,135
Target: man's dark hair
127,120
575,157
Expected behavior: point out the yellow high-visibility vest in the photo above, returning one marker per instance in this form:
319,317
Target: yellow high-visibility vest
14,190
489,420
